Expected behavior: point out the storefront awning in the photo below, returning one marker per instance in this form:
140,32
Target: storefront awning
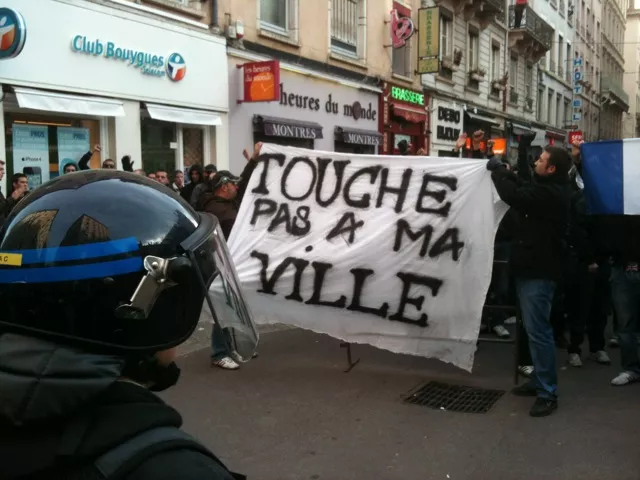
65,103
355,136
182,115
560,135
520,129
540,138
285,127
482,119
411,115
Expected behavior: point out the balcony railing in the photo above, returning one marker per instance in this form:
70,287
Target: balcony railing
615,89
527,21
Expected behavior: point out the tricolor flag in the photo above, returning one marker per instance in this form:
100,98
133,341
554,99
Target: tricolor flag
611,174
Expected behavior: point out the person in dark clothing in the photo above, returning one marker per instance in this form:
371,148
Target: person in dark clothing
90,327
19,189
587,280
223,200
70,168
209,172
195,176
83,163
542,209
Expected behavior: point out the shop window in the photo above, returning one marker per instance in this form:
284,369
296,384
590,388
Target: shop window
158,145
279,17
348,27
343,147
401,62
40,145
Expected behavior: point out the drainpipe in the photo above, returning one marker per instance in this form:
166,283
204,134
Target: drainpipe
213,24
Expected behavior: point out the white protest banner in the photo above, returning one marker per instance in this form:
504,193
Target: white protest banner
395,252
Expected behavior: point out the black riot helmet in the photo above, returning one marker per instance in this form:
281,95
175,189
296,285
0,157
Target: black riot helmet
113,261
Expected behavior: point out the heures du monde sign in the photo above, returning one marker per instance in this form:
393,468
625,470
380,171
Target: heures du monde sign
353,110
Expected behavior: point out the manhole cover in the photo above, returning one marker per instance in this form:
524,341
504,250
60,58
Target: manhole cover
454,398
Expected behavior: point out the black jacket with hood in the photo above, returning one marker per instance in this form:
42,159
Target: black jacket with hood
187,191
62,408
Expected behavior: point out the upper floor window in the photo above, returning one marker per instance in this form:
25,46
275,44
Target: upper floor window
446,35
279,17
495,62
474,49
348,27
401,61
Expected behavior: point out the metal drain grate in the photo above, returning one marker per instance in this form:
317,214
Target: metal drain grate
454,398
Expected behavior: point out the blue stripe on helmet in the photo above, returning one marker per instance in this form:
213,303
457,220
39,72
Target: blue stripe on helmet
77,252
71,273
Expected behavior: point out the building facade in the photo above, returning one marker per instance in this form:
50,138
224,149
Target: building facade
614,99
631,83
156,94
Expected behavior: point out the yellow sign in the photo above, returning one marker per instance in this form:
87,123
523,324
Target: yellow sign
11,259
428,40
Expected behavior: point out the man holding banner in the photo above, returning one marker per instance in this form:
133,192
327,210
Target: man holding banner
542,207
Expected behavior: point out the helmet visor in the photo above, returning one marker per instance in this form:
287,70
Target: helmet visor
223,296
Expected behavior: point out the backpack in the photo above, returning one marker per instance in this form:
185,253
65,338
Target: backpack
122,460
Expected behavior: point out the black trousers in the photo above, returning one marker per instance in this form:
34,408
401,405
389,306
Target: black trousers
587,300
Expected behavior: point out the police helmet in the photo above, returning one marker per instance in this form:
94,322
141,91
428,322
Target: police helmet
114,261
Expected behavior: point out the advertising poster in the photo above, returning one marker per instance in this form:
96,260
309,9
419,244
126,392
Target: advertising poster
73,143
31,153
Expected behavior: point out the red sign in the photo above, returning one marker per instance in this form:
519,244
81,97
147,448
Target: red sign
261,81
575,136
402,29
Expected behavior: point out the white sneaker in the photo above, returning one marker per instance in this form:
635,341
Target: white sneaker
501,332
600,357
614,342
525,370
510,321
574,360
227,363
625,378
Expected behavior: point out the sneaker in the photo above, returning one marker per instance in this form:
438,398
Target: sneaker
600,357
524,390
501,332
226,363
614,341
575,360
625,378
525,370
510,321
543,407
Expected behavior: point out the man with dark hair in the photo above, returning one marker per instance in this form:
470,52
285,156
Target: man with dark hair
163,177
209,172
542,209
19,188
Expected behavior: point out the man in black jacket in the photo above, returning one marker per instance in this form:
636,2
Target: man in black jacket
539,249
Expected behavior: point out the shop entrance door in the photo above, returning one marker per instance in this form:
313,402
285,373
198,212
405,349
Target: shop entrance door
158,146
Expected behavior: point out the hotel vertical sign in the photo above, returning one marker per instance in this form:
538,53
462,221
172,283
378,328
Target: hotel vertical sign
428,40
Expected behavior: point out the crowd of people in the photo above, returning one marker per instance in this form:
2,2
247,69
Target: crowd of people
567,271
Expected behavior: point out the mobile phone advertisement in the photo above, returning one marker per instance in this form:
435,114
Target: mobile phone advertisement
73,143
31,152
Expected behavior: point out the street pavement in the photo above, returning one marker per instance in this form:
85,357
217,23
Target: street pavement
294,414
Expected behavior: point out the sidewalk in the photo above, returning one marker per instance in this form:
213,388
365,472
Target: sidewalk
293,414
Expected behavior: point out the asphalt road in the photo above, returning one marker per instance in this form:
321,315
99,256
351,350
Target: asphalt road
293,414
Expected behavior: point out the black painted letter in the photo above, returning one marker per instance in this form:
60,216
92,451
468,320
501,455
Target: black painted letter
365,201
318,282
360,275
437,195
346,224
408,280
338,167
265,158
285,176
262,206
268,284
403,227
400,191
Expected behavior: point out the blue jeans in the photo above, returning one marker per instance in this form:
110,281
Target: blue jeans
218,345
536,297
625,293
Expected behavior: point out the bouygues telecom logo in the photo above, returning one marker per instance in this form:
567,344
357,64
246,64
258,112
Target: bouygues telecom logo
148,63
13,33
176,67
